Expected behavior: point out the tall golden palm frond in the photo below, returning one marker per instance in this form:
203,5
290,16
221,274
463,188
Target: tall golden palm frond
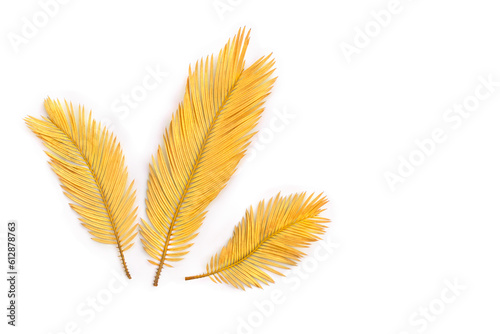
266,238
91,168
207,137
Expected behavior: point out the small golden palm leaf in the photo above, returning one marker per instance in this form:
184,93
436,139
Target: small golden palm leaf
266,240
91,168
207,137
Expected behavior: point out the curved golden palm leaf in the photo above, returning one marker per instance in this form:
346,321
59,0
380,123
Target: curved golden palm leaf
91,167
266,238
207,137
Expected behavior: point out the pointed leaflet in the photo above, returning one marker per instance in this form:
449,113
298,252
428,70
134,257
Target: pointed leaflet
267,240
91,168
206,139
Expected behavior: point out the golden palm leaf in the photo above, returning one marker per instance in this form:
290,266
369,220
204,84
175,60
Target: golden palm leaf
91,168
267,238
207,137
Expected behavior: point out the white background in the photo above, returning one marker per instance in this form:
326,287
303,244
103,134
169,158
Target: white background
352,120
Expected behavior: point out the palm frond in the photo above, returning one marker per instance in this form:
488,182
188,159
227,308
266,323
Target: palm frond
207,137
266,240
91,168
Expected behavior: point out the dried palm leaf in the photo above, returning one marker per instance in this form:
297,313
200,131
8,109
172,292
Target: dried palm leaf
207,137
91,168
266,238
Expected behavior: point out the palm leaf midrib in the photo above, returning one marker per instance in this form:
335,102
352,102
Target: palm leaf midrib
199,154
101,194
266,239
